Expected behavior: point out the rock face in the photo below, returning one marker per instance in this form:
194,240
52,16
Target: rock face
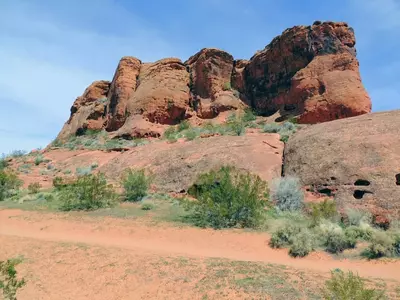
357,160
88,110
310,72
122,88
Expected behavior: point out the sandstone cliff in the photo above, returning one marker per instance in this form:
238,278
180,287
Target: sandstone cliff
310,72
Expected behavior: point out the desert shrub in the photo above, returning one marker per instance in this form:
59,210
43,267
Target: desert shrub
302,244
283,236
227,86
3,163
323,210
9,282
58,183
359,232
38,159
237,126
396,244
82,171
136,184
88,192
248,115
94,166
356,217
271,128
381,245
191,134
228,198
287,194
147,206
170,133
183,125
18,153
337,241
333,237
349,286
8,182
34,187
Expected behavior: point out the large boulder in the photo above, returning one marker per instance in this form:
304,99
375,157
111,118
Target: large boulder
356,160
310,72
88,110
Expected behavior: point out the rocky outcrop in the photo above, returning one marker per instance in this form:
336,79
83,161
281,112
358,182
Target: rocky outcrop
122,88
88,110
356,160
309,72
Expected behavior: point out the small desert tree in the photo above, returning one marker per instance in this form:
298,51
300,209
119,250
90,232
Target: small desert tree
9,282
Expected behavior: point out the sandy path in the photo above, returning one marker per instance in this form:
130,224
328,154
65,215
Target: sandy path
164,240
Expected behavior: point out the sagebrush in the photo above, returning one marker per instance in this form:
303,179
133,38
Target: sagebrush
9,282
88,192
136,184
349,286
287,194
228,197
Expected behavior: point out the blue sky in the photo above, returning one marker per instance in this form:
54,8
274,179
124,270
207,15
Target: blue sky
51,50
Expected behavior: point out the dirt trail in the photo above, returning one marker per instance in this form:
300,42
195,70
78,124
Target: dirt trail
189,242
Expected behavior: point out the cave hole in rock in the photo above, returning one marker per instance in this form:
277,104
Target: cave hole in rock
398,179
362,182
325,191
359,194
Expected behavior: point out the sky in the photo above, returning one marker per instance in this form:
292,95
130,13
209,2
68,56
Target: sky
50,51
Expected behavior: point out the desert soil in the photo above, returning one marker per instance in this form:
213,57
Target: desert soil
76,256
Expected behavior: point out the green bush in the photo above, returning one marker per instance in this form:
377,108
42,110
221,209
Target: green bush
396,244
356,217
287,194
147,206
323,210
283,236
88,192
191,134
136,184
3,163
237,127
82,171
34,187
302,244
337,241
381,245
170,133
348,286
228,198
271,128
359,232
248,115
38,159
8,182
183,125
9,282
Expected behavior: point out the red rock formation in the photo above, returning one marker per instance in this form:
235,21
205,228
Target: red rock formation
310,72
88,110
122,88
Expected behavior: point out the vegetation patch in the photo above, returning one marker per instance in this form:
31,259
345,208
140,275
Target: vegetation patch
88,192
228,198
136,184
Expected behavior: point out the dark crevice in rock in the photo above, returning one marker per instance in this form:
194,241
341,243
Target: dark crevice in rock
398,179
326,191
359,194
362,182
